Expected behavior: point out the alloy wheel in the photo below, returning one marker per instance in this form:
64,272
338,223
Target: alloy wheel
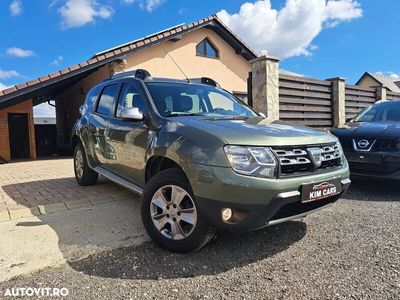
173,212
79,163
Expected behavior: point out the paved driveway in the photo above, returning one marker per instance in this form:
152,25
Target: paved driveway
46,186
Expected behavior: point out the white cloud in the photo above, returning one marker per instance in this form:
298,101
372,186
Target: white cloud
77,13
3,86
150,5
44,110
289,31
391,74
18,52
16,7
395,76
6,74
58,60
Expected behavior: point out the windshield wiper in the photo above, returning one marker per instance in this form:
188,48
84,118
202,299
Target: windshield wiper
183,114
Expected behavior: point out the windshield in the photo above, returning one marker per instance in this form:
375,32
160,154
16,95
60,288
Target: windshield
386,112
182,99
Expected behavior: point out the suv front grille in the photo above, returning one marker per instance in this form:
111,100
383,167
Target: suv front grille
377,144
295,161
386,144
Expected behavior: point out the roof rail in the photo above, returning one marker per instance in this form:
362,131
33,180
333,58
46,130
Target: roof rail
205,80
139,73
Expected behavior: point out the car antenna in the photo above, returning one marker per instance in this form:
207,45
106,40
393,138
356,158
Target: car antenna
166,52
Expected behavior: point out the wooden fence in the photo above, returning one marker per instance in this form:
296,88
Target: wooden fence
305,101
390,95
357,98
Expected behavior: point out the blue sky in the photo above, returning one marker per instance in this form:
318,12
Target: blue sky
318,38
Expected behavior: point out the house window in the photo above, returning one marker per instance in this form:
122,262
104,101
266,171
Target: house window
206,48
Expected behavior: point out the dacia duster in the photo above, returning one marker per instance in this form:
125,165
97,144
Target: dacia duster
201,158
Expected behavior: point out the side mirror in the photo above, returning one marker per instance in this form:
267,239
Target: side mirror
82,110
262,115
131,113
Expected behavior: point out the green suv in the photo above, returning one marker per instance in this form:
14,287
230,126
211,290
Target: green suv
202,160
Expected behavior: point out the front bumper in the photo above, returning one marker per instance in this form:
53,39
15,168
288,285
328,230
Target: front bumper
256,202
377,165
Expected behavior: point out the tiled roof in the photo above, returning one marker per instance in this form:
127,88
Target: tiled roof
114,53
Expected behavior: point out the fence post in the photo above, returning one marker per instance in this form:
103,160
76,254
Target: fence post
339,100
265,86
381,93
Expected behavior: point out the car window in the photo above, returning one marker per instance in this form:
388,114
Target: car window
174,99
129,97
387,112
106,99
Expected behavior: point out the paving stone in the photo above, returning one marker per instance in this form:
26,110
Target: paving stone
4,216
23,212
52,208
78,204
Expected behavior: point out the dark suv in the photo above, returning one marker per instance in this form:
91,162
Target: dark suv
202,159
371,141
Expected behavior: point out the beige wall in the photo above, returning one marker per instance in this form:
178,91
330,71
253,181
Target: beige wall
23,107
230,70
368,81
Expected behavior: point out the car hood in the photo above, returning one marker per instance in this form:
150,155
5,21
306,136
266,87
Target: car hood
369,129
255,131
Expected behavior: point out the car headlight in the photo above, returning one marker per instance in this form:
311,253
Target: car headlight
341,152
252,161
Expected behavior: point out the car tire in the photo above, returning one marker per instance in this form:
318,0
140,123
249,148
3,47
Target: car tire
84,175
171,215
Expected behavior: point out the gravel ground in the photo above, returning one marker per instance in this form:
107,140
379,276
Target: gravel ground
349,251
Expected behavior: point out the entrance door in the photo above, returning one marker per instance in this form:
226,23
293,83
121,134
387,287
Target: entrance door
18,129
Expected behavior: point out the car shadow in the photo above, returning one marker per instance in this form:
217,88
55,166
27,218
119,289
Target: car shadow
372,190
108,240
228,251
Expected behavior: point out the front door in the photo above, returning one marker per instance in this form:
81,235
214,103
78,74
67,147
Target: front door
18,130
129,138
103,151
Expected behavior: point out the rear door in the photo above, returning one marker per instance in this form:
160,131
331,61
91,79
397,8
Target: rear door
103,151
130,138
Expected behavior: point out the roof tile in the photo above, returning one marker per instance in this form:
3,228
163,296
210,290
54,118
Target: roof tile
74,67
92,61
9,90
21,86
84,64
44,78
101,57
54,75
124,49
109,54
33,82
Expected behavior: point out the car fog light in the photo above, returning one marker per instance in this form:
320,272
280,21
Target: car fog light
226,214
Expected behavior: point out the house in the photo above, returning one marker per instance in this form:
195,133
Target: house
376,79
203,48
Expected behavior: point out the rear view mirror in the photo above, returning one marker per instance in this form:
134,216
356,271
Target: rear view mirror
131,113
